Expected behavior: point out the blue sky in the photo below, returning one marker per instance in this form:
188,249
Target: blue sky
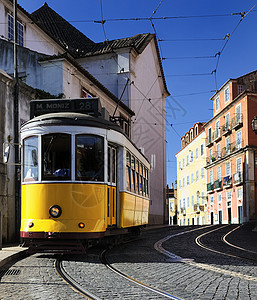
189,44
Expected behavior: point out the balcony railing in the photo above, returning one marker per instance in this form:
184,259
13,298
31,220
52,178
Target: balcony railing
238,178
232,147
216,135
237,121
226,129
209,140
217,185
227,181
210,187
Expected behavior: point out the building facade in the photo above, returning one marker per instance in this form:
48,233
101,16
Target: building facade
231,152
191,178
172,203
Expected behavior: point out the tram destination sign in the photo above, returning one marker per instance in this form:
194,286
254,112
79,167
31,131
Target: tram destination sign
90,106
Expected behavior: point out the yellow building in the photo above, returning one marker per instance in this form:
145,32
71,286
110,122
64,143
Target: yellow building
191,178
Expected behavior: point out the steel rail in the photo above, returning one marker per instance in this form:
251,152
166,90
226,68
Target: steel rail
135,281
74,284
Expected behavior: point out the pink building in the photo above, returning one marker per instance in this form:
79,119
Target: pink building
231,152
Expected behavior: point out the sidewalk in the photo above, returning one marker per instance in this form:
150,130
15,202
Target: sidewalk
7,254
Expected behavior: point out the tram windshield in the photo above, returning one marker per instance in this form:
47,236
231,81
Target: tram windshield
56,157
30,159
89,158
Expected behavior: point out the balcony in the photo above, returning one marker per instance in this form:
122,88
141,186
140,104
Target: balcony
216,135
209,141
238,178
217,185
227,182
210,187
226,129
232,147
237,121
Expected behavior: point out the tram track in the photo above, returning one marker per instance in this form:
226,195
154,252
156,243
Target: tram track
72,282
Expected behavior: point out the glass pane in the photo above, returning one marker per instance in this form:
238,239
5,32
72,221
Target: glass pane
113,165
56,156
30,159
89,158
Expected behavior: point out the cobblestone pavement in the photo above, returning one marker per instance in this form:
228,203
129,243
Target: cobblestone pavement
205,275
200,275
34,278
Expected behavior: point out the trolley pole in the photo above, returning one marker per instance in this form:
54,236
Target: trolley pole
16,123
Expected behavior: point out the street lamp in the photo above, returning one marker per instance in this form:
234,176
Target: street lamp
254,124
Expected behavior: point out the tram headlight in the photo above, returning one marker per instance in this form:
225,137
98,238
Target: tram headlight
81,225
55,211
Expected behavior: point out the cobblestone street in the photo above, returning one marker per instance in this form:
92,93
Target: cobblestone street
185,270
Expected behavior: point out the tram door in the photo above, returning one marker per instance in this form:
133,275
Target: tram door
111,195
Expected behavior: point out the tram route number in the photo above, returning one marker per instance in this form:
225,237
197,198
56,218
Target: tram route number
90,106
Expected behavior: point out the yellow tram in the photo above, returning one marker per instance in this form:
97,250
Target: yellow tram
82,179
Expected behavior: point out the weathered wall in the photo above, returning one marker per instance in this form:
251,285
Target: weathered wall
7,171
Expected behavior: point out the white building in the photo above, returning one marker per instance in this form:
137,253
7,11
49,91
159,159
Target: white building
71,65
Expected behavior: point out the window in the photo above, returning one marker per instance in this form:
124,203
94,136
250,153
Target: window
239,193
30,158
20,31
229,196
209,135
239,165
187,160
228,169
188,202
193,201
228,145
179,165
197,199
192,178
227,121
133,174
238,113
196,130
90,159
212,199
183,182
239,139
218,151
219,173
202,150
217,129
219,197
183,163
202,172
217,103
226,95
211,176
180,184
56,156
187,179
196,153
240,88
210,155
203,197
197,176
192,156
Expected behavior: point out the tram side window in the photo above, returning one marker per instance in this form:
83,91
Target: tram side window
133,174
30,159
137,178
89,158
56,156
128,170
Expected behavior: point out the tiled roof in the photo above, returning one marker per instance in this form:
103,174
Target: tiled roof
58,28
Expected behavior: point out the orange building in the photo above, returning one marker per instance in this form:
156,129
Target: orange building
231,153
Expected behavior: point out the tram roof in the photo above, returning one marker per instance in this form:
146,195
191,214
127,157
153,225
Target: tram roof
72,119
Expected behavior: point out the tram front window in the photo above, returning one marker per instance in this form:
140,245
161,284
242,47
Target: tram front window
30,159
89,158
56,157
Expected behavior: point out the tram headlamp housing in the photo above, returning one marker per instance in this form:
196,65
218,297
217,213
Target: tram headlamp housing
81,225
55,211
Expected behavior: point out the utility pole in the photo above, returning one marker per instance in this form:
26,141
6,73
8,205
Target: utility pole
16,123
